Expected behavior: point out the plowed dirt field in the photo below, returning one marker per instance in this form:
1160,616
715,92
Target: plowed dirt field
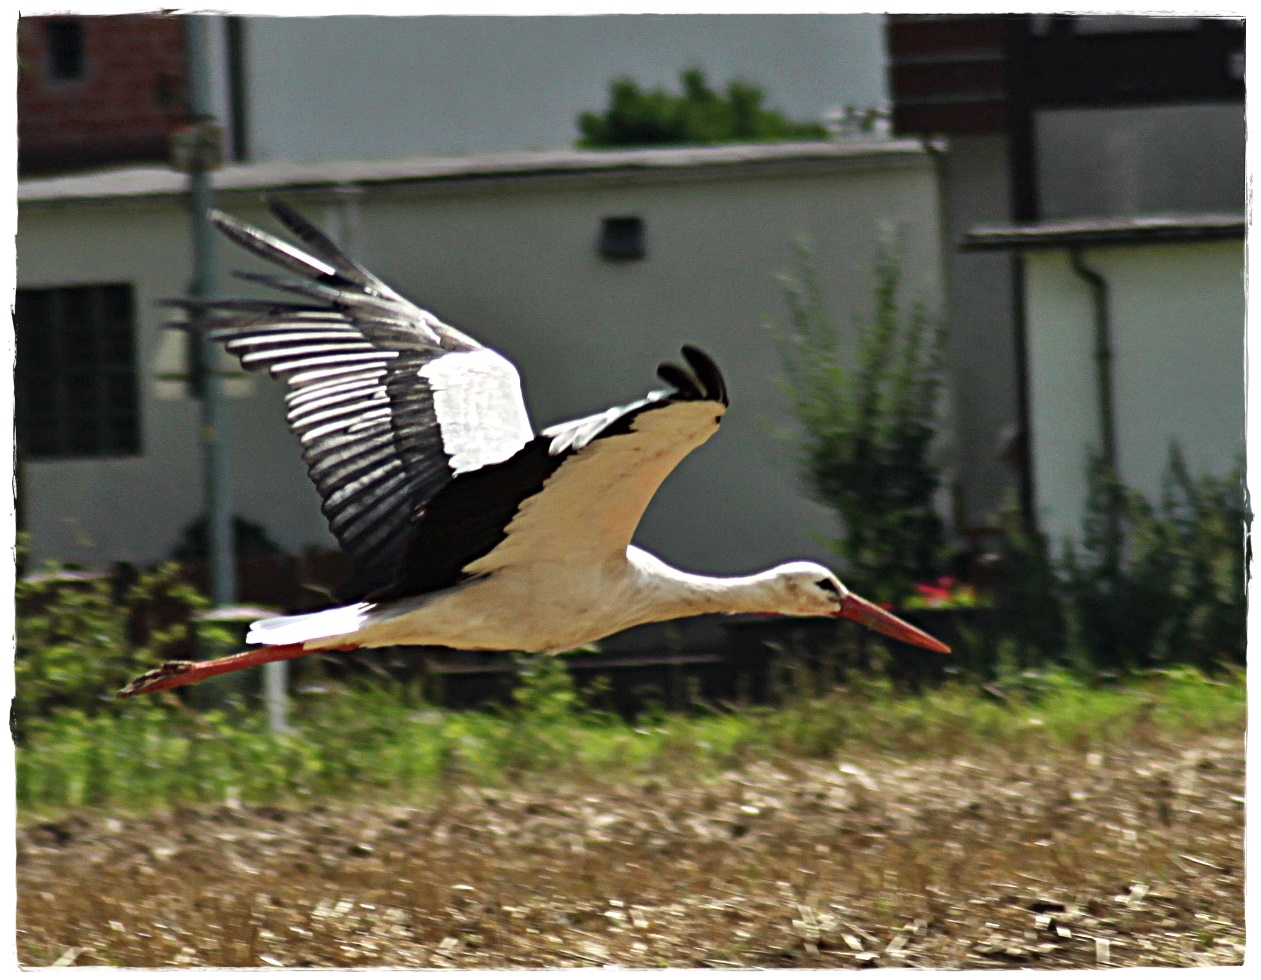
1128,857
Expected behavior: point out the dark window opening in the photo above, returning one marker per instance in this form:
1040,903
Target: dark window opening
66,61
622,238
75,379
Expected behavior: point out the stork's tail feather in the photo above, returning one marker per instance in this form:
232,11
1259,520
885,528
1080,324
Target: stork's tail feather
283,630
286,637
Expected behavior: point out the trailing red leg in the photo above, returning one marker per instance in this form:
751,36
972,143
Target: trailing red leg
177,673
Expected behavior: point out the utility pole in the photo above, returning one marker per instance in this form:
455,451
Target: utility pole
202,153
198,151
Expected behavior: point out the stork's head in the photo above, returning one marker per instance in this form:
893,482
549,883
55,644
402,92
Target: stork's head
806,589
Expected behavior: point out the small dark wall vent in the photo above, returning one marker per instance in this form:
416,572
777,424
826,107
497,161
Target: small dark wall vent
622,238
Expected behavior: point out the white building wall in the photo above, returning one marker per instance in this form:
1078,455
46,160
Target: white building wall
1177,316
515,264
332,88
1063,414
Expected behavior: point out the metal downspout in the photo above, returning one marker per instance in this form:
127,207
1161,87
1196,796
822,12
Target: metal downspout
1103,386
1023,177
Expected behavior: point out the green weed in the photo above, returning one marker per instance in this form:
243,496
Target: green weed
358,741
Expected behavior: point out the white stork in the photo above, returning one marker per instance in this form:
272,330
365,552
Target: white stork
466,528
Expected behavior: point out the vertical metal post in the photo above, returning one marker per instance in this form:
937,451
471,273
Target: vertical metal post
220,546
276,695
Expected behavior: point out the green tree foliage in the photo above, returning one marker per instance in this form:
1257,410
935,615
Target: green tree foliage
698,116
868,412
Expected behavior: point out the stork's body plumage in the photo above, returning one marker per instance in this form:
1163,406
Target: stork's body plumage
466,528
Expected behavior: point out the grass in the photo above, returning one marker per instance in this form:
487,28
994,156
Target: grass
379,741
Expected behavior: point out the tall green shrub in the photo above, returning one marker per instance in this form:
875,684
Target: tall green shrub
868,411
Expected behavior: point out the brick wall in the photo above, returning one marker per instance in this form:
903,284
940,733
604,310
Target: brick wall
121,105
948,74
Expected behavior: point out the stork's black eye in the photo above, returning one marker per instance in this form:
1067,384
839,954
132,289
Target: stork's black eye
827,585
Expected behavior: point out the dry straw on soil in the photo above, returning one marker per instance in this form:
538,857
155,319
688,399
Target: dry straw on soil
1123,857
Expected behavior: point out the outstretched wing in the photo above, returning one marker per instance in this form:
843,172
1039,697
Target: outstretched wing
574,493
389,403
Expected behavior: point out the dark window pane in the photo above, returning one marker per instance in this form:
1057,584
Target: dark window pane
33,308
81,440
78,339
40,440
81,396
76,376
121,436
114,307
120,394
115,343
36,355
39,397
76,305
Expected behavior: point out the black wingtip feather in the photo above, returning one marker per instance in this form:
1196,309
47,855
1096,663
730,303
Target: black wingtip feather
273,249
324,247
684,382
707,372
704,382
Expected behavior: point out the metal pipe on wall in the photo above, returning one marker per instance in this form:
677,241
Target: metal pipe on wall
1104,395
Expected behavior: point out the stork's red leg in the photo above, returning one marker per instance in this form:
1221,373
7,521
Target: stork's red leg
177,673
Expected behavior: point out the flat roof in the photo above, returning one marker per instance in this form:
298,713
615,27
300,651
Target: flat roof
1138,229
150,181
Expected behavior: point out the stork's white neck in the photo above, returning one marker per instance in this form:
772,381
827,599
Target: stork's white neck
677,593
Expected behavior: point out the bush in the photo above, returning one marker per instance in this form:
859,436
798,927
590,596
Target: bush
1026,614
869,417
250,540
78,642
700,115
1173,592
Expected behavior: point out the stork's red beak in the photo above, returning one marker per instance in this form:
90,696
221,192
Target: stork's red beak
873,617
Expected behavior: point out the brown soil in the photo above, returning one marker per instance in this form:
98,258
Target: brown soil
1126,858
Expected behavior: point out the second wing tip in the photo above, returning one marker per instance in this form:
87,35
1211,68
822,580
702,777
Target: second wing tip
706,370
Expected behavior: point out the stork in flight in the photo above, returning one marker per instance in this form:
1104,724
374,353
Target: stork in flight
466,528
